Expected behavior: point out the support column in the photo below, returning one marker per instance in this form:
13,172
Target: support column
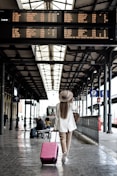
11,119
17,118
25,116
92,98
79,107
86,101
2,98
105,99
82,106
34,109
99,85
110,100
30,110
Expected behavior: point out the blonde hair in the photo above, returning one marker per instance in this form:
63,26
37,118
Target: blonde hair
64,107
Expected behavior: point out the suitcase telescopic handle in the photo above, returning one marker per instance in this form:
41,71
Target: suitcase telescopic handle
55,135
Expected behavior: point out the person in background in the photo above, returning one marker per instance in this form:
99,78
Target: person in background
64,122
40,125
47,122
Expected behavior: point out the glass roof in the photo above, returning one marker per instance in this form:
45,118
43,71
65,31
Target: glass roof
51,73
47,4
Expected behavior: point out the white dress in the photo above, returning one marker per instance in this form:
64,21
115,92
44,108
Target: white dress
64,125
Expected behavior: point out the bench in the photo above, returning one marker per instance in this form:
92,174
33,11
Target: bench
44,133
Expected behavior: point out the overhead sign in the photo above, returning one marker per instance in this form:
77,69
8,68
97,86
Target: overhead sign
96,93
28,102
55,24
102,93
93,93
16,99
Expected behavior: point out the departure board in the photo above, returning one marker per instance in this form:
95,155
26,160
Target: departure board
35,32
39,16
57,25
80,17
85,33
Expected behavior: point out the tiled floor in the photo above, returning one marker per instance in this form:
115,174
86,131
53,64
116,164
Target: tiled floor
19,156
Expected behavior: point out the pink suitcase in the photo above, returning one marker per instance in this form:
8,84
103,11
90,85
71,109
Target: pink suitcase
49,152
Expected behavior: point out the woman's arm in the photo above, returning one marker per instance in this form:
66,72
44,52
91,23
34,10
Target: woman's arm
56,119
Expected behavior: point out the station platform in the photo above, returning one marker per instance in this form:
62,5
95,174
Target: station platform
20,156
108,142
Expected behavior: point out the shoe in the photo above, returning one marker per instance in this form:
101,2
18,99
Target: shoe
64,158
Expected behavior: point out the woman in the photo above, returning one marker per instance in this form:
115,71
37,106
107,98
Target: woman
65,122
